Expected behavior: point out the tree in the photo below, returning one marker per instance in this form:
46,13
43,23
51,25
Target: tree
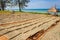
3,4
21,3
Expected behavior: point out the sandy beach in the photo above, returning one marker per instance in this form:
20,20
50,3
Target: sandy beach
22,26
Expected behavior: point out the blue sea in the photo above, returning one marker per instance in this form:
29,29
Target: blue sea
35,10
38,10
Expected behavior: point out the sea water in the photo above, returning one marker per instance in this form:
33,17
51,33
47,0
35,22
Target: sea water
38,10
35,10
32,10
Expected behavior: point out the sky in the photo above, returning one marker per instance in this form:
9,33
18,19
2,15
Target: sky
42,4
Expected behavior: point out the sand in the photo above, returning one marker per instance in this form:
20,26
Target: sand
24,25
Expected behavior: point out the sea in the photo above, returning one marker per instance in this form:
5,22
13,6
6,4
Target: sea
35,10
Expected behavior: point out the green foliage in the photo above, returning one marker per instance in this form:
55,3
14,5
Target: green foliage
33,12
3,4
20,3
